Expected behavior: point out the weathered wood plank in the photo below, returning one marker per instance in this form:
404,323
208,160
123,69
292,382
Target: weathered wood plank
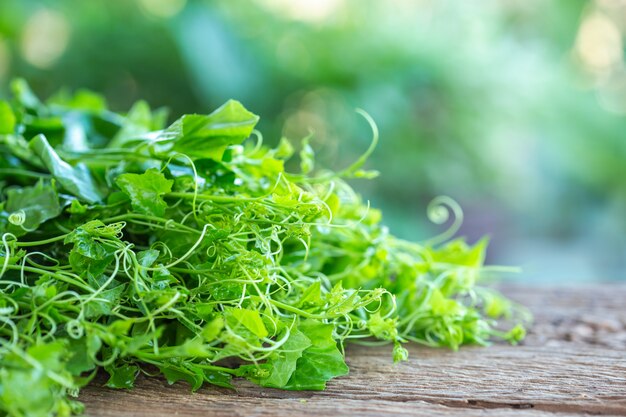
573,362
590,315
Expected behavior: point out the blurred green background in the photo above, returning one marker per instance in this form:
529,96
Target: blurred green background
514,108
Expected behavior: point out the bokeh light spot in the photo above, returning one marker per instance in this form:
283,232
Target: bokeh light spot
599,43
45,38
313,11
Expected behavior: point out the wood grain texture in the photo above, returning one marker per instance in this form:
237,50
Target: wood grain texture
572,363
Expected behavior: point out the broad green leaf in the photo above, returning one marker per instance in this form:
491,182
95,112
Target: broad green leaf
319,362
104,303
80,359
225,291
76,180
188,372
18,146
194,374
51,355
146,258
27,391
121,376
250,319
312,296
185,348
76,207
31,206
213,329
90,255
218,378
207,136
442,306
146,191
139,121
283,362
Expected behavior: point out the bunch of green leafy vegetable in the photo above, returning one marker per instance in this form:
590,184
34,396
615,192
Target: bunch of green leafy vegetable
189,251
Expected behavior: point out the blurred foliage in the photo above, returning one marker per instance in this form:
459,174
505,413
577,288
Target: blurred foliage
514,108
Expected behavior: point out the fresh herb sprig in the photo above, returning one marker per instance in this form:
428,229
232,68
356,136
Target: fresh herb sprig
189,251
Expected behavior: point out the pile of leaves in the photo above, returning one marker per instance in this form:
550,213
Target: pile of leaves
189,251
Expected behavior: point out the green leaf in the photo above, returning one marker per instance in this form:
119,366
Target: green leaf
31,206
207,136
442,306
319,362
18,146
23,94
312,296
91,255
80,359
139,121
50,355
106,300
282,363
218,378
191,348
190,373
76,207
75,180
146,191
146,258
194,374
27,391
250,319
122,376
7,118
213,329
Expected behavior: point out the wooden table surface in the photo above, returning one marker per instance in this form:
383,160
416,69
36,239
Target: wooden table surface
573,362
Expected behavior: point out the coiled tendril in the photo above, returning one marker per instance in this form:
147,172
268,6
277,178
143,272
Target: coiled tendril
438,212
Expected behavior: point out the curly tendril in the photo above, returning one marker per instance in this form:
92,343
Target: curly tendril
438,212
17,218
